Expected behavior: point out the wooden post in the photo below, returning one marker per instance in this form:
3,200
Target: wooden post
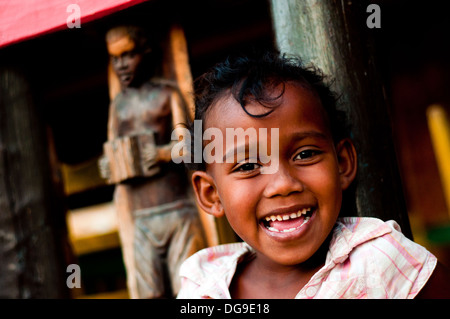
177,65
31,260
439,126
177,68
335,37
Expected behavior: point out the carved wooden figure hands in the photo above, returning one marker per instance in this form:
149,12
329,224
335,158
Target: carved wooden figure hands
103,166
150,155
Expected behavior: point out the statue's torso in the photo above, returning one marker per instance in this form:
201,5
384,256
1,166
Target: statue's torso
138,111
143,109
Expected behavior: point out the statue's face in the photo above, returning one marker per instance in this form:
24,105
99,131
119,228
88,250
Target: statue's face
126,61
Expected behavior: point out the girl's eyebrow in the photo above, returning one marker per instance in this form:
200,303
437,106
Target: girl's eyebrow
240,149
298,136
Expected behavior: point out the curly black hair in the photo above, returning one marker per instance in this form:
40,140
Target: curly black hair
250,76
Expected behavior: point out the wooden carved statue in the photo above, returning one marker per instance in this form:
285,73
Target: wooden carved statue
159,224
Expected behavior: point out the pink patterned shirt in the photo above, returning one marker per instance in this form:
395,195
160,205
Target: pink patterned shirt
367,258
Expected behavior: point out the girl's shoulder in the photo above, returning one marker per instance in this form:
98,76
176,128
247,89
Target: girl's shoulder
208,272
381,255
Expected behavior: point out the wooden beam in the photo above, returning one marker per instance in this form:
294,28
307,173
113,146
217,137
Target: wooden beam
178,63
93,228
80,177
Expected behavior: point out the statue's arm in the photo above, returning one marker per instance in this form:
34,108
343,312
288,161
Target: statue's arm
103,162
163,153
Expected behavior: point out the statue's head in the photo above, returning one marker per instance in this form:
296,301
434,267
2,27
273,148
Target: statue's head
129,48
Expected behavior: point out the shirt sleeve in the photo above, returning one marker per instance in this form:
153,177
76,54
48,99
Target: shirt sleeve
188,289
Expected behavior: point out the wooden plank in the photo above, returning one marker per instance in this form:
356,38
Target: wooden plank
81,177
177,65
119,294
96,243
93,228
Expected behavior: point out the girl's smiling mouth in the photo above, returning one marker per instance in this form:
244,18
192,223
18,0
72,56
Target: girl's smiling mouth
287,225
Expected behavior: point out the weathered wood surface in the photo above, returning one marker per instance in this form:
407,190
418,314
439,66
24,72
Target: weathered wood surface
334,36
177,66
31,262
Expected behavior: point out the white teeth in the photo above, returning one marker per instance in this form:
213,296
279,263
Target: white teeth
304,222
289,230
286,217
301,212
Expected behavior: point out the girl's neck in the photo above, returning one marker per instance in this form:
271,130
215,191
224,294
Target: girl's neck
259,278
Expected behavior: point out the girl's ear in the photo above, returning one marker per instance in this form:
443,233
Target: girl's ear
347,162
206,193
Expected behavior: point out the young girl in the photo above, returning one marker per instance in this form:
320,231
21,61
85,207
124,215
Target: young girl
295,244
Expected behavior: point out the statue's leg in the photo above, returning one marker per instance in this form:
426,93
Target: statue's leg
153,230
149,253
187,239
126,234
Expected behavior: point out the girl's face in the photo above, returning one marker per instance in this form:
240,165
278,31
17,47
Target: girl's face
287,215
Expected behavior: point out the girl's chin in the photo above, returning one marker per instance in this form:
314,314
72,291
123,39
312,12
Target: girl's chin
283,257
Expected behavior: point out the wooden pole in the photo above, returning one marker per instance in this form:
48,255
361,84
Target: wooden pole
31,261
177,68
439,127
335,37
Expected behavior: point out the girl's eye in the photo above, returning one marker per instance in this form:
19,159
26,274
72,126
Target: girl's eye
306,154
248,167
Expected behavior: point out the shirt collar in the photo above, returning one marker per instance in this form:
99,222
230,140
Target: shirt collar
351,232
214,276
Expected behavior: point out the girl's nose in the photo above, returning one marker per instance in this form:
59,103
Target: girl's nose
282,183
